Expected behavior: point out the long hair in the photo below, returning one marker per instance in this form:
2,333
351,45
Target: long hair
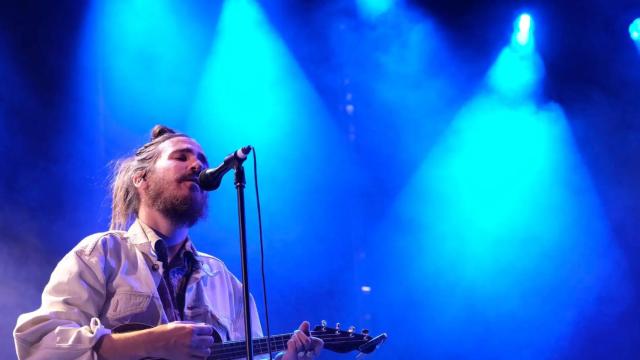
125,200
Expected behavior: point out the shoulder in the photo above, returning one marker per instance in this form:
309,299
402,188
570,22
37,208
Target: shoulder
214,262
91,243
213,265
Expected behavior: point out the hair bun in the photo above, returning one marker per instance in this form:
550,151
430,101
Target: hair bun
160,130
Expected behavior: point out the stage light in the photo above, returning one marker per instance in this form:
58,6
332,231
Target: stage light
523,30
634,30
374,8
518,70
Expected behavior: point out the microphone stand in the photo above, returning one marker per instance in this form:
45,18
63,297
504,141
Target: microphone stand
240,182
209,180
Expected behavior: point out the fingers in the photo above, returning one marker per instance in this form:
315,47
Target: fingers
304,327
303,338
201,346
303,345
201,340
202,330
295,344
316,346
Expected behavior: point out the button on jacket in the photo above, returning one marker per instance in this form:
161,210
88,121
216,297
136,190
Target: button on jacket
112,278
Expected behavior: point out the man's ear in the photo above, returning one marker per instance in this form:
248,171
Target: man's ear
138,178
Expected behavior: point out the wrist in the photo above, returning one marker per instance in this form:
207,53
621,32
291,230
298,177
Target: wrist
134,345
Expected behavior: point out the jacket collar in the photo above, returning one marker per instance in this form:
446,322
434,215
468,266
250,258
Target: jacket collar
145,238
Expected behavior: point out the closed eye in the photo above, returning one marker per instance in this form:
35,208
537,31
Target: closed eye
184,154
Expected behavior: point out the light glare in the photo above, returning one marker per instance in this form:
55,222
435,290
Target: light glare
634,30
523,30
373,8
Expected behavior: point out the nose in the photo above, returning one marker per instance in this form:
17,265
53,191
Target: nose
197,166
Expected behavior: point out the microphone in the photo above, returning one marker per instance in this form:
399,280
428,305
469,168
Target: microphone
210,178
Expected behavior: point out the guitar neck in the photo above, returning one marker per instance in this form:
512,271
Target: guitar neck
334,340
237,349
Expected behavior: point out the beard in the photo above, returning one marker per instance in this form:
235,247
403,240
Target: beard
182,210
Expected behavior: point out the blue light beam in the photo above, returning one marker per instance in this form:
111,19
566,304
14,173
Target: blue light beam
252,91
143,59
500,231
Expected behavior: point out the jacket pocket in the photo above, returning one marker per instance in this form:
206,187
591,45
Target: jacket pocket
127,303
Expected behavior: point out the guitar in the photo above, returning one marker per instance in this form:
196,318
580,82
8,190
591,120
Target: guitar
335,340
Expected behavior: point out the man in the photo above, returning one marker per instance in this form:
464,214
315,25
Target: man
150,274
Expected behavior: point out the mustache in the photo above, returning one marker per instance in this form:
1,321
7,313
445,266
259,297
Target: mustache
189,177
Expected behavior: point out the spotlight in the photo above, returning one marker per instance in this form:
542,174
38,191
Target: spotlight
523,30
634,30
373,8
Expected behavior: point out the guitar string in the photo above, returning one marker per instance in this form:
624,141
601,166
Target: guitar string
262,342
263,346
288,336
239,353
226,346
237,349
327,336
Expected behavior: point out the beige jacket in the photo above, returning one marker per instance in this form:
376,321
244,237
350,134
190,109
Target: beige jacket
112,278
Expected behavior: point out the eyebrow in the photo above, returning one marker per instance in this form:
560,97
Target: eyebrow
199,155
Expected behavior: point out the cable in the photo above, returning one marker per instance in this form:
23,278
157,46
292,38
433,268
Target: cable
264,283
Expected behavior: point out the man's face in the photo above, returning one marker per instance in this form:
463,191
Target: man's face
172,183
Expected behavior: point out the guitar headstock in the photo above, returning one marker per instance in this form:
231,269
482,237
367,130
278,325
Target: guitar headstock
343,341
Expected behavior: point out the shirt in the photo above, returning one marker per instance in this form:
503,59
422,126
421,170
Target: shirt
112,278
176,277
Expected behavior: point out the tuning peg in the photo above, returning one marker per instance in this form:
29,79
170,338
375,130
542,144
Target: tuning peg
324,324
365,332
337,327
351,330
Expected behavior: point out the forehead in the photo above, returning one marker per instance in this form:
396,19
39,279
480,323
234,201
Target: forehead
179,143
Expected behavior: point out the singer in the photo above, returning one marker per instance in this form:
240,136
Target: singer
150,274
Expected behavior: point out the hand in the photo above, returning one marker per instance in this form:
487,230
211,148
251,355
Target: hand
301,346
176,341
183,340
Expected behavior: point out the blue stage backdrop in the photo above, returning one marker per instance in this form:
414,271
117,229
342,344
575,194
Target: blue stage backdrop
459,174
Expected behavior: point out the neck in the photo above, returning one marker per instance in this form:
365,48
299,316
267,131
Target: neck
173,234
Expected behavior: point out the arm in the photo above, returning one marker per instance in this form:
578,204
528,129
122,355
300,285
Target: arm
175,340
66,325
